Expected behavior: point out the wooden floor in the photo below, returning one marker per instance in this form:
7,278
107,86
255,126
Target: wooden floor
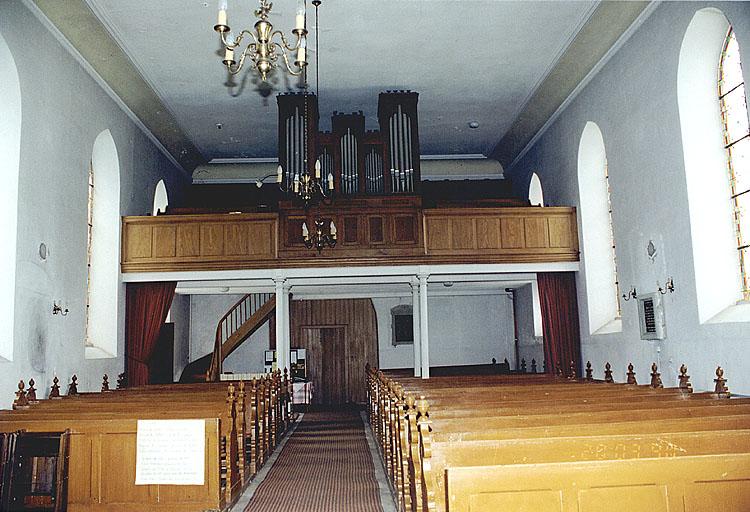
325,466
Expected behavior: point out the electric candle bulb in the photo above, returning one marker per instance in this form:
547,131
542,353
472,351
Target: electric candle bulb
222,13
228,56
305,233
333,230
300,18
302,50
330,181
317,169
279,174
296,183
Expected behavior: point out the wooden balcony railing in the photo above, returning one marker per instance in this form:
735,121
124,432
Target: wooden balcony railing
371,231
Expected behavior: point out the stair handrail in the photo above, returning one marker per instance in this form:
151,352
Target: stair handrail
232,320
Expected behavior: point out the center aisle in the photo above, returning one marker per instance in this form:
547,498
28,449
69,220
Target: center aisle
325,466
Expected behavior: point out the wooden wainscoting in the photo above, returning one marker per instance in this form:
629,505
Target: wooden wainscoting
198,242
515,234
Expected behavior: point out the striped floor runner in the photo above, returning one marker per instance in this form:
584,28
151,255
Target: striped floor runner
325,466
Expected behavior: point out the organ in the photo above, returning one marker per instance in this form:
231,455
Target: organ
361,162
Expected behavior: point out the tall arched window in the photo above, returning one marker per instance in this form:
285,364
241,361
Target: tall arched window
737,143
102,318
10,149
599,252
536,197
718,277
161,198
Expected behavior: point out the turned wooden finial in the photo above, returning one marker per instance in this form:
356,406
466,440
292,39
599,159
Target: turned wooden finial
21,401
533,366
55,393
655,377
608,373
105,383
122,381
31,392
73,386
421,405
544,366
589,371
572,370
410,401
685,385
523,365
721,388
631,374
558,369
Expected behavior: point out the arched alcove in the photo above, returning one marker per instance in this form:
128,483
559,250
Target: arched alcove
10,149
536,196
717,274
161,198
104,250
600,268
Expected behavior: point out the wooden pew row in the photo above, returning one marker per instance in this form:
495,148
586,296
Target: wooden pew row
405,438
103,426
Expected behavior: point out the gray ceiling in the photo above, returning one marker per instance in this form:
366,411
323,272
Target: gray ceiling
470,61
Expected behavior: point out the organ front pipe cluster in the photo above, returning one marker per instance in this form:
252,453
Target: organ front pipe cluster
352,161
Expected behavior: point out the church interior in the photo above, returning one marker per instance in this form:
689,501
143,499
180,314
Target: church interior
245,241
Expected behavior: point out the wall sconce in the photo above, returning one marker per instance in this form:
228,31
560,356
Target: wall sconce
668,286
632,294
57,310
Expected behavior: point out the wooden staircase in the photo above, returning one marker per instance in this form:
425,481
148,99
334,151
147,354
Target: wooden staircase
236,326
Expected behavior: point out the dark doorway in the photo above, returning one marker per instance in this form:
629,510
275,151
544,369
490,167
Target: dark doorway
326,359
161,367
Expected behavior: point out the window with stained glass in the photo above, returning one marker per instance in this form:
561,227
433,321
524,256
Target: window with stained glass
737,143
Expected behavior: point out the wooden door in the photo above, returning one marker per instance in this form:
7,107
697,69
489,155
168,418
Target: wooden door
326,363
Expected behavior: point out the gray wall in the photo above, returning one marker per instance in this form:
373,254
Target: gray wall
529,346
180,313
633,99
464,330
63,111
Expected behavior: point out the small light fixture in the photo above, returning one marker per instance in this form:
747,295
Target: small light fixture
668,286
632,294
320,238
473,125
58,310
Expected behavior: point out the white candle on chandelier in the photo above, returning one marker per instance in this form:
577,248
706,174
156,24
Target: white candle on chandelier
302,51
222,13
228,56
305,233
330,181
296,183
333,230
300,18
317,168
279,174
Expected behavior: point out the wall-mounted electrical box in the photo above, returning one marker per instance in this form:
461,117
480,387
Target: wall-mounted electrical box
651,317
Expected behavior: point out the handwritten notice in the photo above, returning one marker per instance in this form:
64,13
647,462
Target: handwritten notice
170,452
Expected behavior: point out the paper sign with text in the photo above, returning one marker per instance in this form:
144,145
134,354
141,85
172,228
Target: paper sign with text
170,452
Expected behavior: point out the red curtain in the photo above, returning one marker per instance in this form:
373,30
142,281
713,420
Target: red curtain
147,305
559,301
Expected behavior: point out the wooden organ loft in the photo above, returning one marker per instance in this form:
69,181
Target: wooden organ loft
379,162
385,214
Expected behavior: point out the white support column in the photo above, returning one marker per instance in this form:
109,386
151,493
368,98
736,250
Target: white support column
282,342
423,330
415,322
287,325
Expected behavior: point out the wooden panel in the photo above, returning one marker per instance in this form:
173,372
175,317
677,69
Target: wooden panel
165,241
121,448
212,239
294,230
358,321
376,231
625,499
351,230
560,232
139,242
438,233
188,240
488,233
262,239
512,233
236,240
405,229
535,232
462,233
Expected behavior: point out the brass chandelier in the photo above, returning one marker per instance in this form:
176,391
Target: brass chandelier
264,50
320,238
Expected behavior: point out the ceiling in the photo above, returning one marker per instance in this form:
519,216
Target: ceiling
497,63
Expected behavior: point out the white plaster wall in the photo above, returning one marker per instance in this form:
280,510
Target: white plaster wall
463,330
633,99
529,346
63,112
205,313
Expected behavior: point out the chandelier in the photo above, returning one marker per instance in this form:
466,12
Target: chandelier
320,238
306,187
264,50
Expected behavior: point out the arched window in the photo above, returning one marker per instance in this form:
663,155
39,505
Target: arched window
161,198
103,295
718,275
737,143
599,252
10,149
536,197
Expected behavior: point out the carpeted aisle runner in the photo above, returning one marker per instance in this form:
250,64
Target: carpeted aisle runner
325,466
